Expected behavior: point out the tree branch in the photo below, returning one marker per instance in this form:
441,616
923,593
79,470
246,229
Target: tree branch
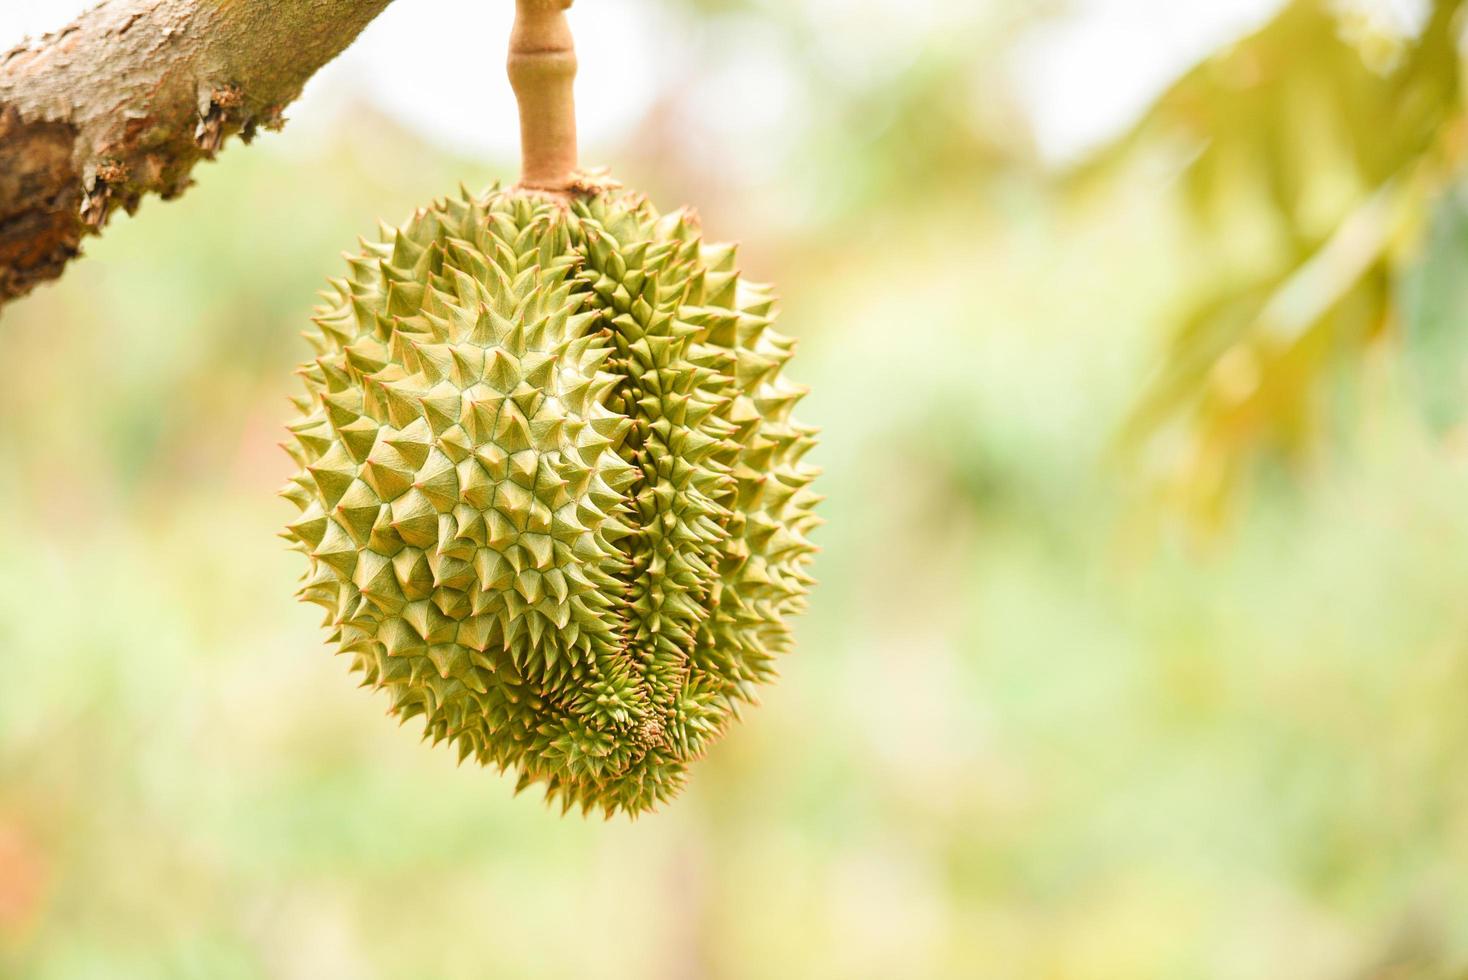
125,100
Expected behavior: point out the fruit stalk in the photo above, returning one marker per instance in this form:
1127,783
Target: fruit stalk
542,70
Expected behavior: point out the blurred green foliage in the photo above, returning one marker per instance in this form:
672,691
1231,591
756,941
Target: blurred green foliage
1433,309
1313,150
1029,731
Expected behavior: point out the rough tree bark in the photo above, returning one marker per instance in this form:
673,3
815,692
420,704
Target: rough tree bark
125,100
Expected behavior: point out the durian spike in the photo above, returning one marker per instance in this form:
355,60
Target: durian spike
542,70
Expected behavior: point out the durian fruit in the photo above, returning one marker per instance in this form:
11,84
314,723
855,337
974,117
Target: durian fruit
551,489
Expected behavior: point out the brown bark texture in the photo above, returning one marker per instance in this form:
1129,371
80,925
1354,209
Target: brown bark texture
126,99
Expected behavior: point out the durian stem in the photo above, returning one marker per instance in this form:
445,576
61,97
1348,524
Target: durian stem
542,69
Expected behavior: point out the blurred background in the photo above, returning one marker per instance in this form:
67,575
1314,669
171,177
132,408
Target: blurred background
1138,333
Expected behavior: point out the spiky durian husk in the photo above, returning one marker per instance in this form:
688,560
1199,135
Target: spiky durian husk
551,489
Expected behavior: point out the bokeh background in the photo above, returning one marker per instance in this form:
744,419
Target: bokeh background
1137,331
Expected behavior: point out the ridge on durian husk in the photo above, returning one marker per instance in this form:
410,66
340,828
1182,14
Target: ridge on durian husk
550,488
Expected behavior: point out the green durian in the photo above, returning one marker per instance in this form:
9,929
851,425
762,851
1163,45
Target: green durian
551,490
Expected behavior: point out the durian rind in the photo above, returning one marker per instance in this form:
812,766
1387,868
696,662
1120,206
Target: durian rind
551,491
